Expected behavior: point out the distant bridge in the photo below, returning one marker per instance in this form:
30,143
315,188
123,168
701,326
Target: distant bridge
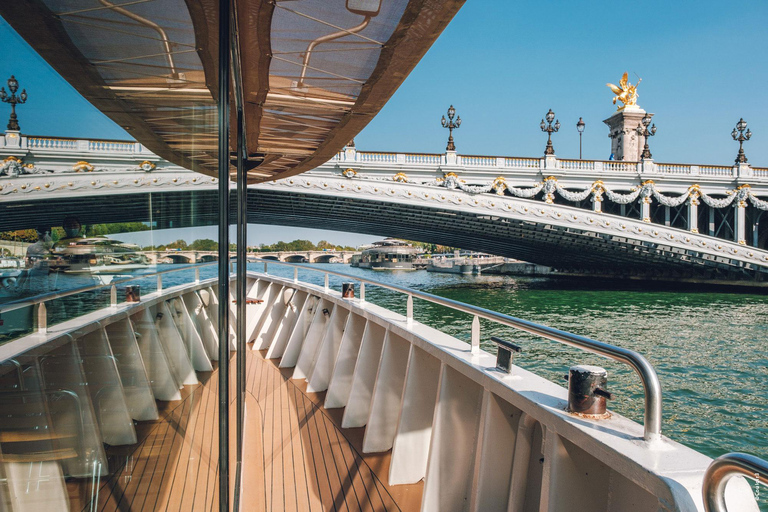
307,256
289,256
625,218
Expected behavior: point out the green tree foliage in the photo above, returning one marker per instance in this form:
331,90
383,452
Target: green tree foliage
300,246
178,244
204,244
20,235
117,227
57,233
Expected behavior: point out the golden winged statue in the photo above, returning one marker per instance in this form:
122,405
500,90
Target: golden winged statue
625,92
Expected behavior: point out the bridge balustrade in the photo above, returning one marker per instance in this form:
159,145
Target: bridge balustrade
54,166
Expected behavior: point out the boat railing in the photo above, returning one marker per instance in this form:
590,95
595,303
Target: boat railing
646,372
651,386
39,301
722,469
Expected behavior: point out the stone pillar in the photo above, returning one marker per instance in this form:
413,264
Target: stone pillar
742,170
739,221
350,151
12,139
626,144
450,158
645,209
597,203
597,198
693,213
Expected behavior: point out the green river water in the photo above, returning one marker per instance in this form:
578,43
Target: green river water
709,349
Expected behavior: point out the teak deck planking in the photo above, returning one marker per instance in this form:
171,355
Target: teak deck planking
296,455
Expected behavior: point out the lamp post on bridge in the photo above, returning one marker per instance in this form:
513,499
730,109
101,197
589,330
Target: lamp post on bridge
739,135
13,100
580,126
644,131
451,126
549,130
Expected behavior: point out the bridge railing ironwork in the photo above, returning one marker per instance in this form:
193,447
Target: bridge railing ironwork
646,372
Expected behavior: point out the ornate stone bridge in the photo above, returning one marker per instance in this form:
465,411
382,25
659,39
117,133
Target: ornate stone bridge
289,256
632,218
182,256
308,256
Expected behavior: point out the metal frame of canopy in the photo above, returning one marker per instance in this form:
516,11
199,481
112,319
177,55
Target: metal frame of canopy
313,74
301,86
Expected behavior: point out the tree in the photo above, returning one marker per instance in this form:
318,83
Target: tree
178,244
324,244
301,245
204,244
21,235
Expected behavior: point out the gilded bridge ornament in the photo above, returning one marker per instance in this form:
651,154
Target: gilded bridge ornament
146,166
625,92
82,166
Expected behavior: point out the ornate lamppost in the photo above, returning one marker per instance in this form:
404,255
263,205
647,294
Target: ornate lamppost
451,126
13,86
580,126
549,129
739,135
644,131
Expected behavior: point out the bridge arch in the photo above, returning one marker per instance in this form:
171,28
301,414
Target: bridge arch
560,236
295,258
178,258
326,258
269,257
206,258
563,237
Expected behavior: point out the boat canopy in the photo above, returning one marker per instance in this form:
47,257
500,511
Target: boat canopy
314,72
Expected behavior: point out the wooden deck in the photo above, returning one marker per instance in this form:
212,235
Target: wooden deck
296,456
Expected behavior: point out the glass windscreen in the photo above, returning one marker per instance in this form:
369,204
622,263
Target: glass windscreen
108,264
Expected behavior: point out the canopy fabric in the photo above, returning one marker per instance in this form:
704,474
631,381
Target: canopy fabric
314,72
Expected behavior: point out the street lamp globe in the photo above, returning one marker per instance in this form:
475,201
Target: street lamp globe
13,84
580,125
741,125
550,116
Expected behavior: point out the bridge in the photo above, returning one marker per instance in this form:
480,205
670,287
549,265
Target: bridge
308,256
662,220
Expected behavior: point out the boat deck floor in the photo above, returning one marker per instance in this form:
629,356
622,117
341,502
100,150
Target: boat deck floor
296,455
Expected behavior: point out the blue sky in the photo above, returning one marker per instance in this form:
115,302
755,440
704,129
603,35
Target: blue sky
504,63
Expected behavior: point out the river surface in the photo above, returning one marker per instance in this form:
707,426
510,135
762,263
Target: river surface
710,349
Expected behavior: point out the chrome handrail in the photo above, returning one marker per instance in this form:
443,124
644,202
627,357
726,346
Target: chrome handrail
646,372
722,469
45,297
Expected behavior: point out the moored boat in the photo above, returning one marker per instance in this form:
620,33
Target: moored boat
389,254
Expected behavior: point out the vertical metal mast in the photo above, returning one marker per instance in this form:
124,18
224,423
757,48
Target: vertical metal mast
223,111
242,242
